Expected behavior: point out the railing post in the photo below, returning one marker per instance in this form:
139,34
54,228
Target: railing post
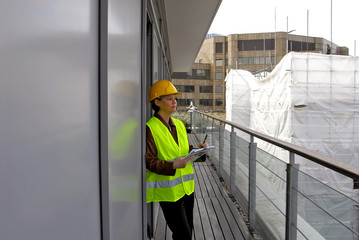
220,150
291,200
194,122
212,132
232,157
252,184
191,119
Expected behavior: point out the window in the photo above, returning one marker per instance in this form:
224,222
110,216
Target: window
185,88
261,60
295,46
219,47
202,74
206,102
245,61
193,74
270,44
180,75
219,76
268,60
219,102
219,89
256,44
250,60
205,89
185,102
219,62
300,46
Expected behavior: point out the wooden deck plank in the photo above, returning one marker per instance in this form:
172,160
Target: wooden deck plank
238,228
198,230
206,183
232,208
217,231
201,181
208,234
197,188
223,210
227,232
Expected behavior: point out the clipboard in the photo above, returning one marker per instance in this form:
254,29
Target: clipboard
197,153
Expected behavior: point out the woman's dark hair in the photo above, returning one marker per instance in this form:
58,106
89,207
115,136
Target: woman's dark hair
154,106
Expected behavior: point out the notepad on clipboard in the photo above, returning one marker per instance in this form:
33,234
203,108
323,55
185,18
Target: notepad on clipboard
197,153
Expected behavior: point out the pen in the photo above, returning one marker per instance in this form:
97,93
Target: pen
205,139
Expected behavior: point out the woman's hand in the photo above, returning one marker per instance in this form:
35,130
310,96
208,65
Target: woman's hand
202,145
181,162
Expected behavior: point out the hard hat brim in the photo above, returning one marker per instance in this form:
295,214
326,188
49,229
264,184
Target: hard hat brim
175,93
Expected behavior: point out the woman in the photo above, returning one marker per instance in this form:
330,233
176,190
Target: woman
169,176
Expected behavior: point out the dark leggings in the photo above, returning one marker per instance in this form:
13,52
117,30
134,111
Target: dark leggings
179,217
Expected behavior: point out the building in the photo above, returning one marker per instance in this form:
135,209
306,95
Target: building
256,52
74,81
198,88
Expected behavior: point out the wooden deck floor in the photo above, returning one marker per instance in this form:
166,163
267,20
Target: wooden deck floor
215,214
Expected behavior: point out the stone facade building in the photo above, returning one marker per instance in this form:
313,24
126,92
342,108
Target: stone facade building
256,52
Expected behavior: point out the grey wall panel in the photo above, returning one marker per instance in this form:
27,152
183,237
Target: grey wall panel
124,119
49,173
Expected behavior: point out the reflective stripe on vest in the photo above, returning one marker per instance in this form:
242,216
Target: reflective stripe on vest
172,183
163,187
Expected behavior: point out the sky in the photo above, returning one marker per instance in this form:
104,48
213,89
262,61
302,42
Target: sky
243,16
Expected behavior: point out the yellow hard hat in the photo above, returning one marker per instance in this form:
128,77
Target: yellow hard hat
162,88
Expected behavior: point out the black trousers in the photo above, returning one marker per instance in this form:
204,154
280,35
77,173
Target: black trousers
179,217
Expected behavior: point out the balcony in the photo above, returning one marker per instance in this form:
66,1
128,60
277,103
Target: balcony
275,197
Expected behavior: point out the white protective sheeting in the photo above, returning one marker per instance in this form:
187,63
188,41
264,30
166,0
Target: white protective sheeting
311,100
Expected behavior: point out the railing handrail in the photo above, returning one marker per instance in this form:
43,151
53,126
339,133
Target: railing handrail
331,163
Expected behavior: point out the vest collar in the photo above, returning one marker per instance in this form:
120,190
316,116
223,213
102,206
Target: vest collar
169,125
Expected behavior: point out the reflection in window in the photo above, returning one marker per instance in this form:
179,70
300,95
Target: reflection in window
219,62
219,102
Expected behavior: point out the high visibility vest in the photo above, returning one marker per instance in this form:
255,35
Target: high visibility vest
169,188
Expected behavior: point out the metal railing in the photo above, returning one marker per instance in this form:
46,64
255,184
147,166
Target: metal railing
280,200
